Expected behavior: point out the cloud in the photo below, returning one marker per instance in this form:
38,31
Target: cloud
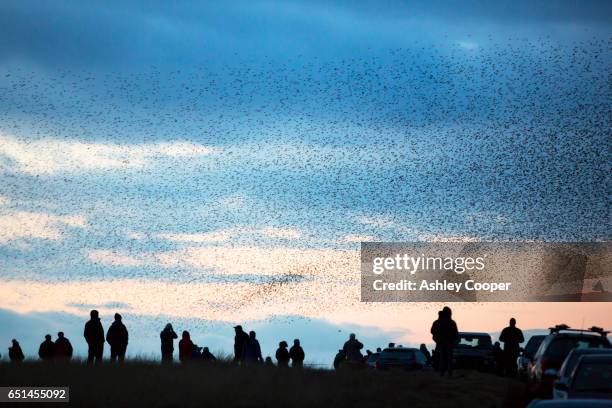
385,224
262,260
213,236
114,258
352,238
224,235
49,156
281,233
24,224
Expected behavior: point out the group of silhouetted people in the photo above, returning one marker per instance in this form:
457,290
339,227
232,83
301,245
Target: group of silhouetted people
49,350
247,350
188,350
446,335
116,337
295,354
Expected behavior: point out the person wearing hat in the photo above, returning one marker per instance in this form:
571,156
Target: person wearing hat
167,337
240,340
117,337
282,354
46,351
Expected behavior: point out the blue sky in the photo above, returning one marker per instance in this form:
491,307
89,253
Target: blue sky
151,144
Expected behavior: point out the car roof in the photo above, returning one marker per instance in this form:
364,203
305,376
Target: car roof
578,403
592,358
395,349
582,334
474,334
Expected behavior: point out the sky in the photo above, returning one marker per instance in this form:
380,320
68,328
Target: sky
210,164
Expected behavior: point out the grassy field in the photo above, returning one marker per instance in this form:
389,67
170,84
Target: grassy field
141,384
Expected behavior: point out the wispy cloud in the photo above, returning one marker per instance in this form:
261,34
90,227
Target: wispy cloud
50,156
262,260
354,238
385,224
224,235
114,258
24,224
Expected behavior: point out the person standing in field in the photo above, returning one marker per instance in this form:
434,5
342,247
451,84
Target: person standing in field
512,337
117,338
15,352
296,352
167,337
94,336
445,333
251,352
352,350
63,348
426,353
46,351
339,359
282,354
186,347
240,339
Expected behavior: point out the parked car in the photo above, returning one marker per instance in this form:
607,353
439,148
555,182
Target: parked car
527,354
554,349
574,403
474,350
564,376
591,378
372,359
403,358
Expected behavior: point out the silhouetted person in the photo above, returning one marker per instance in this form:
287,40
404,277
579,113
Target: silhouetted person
117,337
207,355
15,353
94,336
282,354
185,347
240,339
167,337
352,349
391,345
378,349
268,362
63,348
445,334
296,352
46,351
426,353
251,351
339,359
512,337
498,355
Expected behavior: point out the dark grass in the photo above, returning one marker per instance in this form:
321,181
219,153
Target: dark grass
145,384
